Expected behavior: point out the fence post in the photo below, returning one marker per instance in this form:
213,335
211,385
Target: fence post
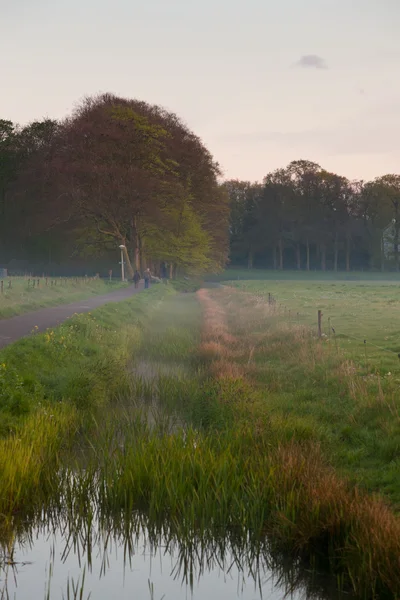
2,286
320,323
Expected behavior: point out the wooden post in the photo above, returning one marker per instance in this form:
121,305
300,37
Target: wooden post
47,283
320,323
2,286
269,298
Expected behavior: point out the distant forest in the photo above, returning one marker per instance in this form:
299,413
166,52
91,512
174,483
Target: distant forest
304,217
116,172
123,172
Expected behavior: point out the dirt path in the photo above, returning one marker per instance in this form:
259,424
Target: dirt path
15,328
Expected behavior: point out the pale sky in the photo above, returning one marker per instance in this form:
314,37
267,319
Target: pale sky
261,82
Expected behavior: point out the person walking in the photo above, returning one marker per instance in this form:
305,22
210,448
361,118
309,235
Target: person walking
147,277
136,278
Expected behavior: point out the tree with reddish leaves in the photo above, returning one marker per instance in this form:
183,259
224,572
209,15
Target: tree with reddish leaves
123,166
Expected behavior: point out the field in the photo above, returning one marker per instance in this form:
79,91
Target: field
27,294
362,317
219,418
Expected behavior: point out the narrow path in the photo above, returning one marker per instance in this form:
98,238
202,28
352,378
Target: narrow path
15,328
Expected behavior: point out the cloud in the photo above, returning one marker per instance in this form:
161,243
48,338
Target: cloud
311,61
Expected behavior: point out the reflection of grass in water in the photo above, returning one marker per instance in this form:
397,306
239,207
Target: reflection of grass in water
193,555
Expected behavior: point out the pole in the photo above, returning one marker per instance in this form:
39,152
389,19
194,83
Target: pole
320,323
122,265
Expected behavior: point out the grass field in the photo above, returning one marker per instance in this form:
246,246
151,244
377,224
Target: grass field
27,294
236,420
240,274
363,318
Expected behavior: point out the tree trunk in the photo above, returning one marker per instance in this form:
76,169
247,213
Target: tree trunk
280,246
128,263
348,252
298,256
171,271
275,258
137,255
308,255
136,238
323,257
250,260
382,253
336,253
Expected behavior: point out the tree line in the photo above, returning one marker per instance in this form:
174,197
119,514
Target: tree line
117,172
305,217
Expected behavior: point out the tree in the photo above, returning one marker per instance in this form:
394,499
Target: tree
8,169
244,231
122,167
305,179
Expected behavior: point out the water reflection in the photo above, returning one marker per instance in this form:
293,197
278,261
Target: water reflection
132,558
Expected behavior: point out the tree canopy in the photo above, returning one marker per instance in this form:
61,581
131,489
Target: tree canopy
119,172
303,216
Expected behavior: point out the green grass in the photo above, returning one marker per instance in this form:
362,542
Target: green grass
313,391
24,297
83,361
117,413
240,274
357,311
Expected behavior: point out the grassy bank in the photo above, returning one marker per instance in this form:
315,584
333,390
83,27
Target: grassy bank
230,423
311,390
334,434
27,294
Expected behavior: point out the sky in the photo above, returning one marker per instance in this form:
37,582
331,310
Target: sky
261,82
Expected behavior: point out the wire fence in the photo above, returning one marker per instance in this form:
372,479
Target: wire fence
40,282
324,330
